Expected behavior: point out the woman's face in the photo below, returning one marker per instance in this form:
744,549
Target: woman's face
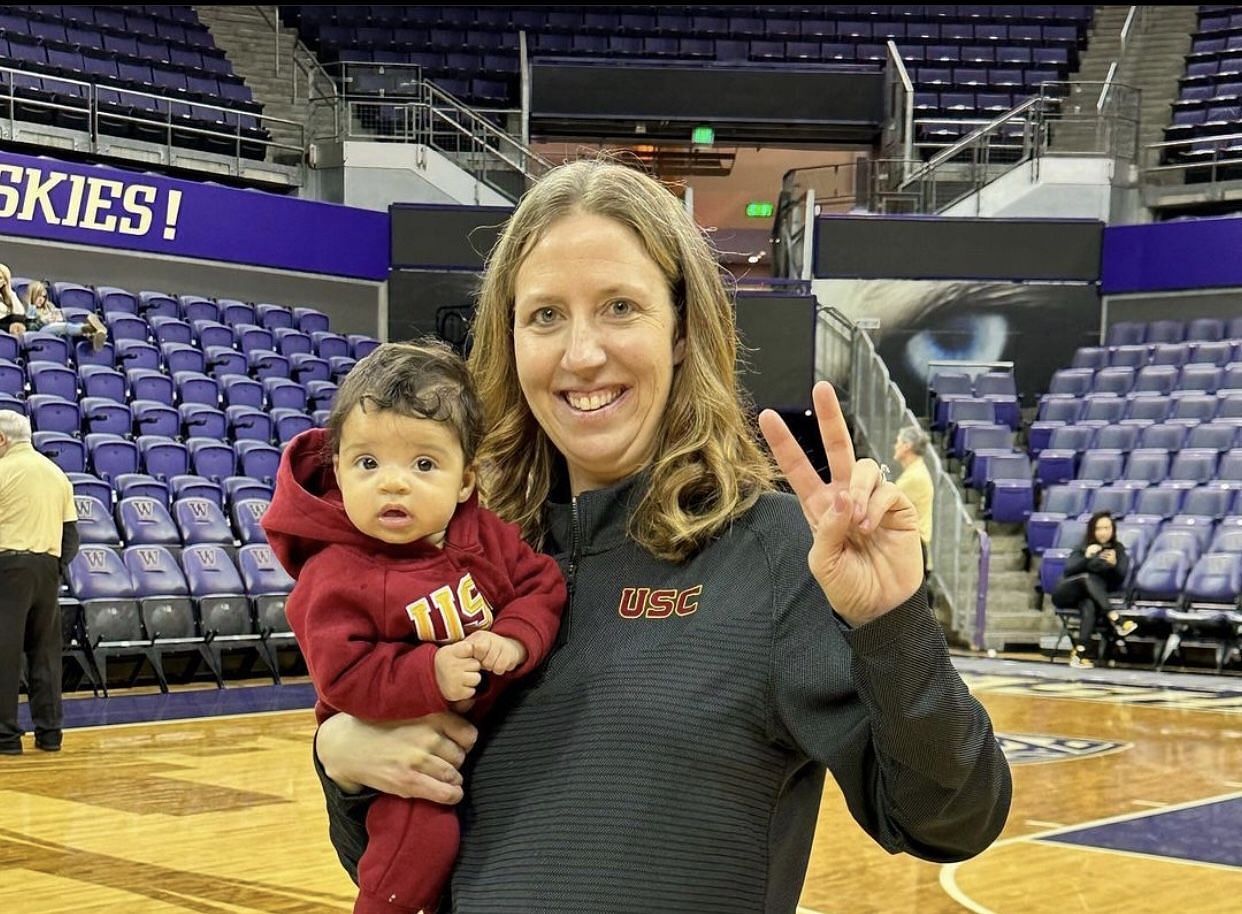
595,341
1104,530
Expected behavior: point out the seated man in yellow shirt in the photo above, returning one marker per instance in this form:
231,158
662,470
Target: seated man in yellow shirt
915,481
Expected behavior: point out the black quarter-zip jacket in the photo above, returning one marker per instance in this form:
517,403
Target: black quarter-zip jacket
670,756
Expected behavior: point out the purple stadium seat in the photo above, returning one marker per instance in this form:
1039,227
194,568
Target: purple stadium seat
1117,500
240,488
189,485
1207,502
125,327
267,364
285,394
273,316
1010,493
1126,333
1216,436
289,342
1101,466
1092,357
1213,352
211,458
180,358
200,520
145,521
1176,354
65,451
257,459
1194,466
212,333
1057,462
1158,501
321,394
1136,356
248,424
113,623
194,308
266,583
152,417
54,379
111,455
1227,539
100,414
151,304
1059,503
195,387
290,423
44,347
50,413
72,295
201,421
1102,409
340,366
250,338
171,330
1165,436
164,599
1201,378
129,485
242,391
310,321
1162,577
1146,410
150,384
364,345
224,362
86,484
1118,437
10,349
113,299
233,312
304,368
1193,409
163,458
1166,331
217,588
95,524
330,345
1070,382
1147,464
1229,408
131,354
1159,380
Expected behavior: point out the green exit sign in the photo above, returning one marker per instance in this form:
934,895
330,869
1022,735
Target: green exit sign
703,136
760,210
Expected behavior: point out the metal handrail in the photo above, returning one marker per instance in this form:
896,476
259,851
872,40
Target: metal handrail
501,139
1112,67
309,64
984,129
894,54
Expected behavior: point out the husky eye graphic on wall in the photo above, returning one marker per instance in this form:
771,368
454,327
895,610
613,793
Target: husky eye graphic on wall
1036,326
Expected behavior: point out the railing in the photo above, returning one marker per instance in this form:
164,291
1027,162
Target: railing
315,80
803,192
1198,160
394,103
79,103
959,553
1063,118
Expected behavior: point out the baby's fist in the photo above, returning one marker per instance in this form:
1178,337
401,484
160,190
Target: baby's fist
496,653
457,671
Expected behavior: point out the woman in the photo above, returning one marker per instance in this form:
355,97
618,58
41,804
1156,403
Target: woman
42,315
12,311
1094,570
723,644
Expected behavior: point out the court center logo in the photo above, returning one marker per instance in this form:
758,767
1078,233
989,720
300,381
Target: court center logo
1022,749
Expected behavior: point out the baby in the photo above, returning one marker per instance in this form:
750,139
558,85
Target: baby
407,591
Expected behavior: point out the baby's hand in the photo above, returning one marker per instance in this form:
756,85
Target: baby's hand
457,671
496,653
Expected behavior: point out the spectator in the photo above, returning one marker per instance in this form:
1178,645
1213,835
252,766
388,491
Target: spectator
12,311
724,646
38,538
915,482
41,314
1094,570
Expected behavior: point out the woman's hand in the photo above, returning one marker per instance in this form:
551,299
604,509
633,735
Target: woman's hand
1092,550
866,553
416,758
1109,556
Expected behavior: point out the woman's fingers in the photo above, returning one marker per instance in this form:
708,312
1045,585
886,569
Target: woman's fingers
835,434
417,785
882,502
864,482
790,457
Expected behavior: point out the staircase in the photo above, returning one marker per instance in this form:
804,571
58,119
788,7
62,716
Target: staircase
248,40
1152,60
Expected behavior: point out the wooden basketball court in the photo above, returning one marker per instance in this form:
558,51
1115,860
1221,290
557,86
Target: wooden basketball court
1128,798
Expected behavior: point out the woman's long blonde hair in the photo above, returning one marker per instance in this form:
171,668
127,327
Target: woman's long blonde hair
708,468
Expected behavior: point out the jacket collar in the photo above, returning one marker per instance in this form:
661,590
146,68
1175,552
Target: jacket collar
603,516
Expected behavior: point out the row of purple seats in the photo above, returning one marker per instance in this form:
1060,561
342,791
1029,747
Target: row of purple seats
226,493
1138,355
1169,436
1047,527
1150,466
145,521
203,334
1108,411
95,416
145,603
1128,333
1163,380
610,18
113,455
63,24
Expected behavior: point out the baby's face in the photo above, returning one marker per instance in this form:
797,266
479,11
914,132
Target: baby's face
401,478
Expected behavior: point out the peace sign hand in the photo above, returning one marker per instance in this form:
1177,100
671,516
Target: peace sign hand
866,553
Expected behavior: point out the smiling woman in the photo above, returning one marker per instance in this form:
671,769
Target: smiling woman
723,646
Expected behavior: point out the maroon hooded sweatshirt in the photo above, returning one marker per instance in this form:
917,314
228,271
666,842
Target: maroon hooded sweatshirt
359,601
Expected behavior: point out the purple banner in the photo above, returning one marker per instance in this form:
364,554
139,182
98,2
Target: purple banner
108,207
1195,254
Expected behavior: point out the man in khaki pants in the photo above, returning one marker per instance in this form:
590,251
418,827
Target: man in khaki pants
38,536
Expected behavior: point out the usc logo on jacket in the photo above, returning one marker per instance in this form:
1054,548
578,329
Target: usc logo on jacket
644,602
